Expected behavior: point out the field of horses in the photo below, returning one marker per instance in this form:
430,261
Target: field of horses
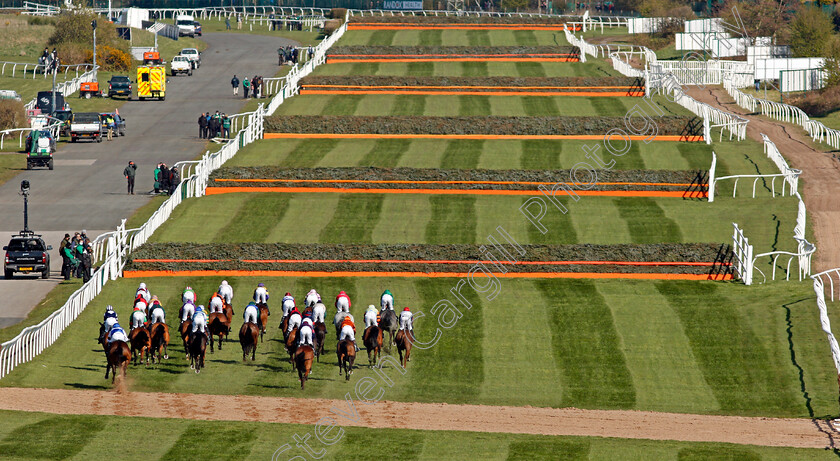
608,338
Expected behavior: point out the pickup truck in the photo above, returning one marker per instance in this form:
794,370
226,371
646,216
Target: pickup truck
86,125
194,55
119,85
180,65
27,253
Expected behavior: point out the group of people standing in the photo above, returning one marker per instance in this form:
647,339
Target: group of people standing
253,88
76,256
166,179
213,125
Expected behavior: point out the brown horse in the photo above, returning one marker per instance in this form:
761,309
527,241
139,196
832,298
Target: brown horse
248,340
219,325
198,347
141,344
372,338
291,344
404,341
263,319
320,337
118,354
160,340
346,351
185,328
303,362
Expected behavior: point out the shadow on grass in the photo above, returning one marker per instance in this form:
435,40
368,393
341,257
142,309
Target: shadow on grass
87,386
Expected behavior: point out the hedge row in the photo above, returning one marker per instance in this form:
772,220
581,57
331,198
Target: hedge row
522,177
454,20
367,50
486,125
379,80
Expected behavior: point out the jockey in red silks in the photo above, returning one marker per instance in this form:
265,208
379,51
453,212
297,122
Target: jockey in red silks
342,302
288,303
406,320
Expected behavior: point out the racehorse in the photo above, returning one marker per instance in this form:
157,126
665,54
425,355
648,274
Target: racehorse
118,355
103,338
391,324
303,362
320,337
141,344
291,344
248,340
160,340
263,318
219,325
185,329
339,317
198,347
404,341
346,351
373,342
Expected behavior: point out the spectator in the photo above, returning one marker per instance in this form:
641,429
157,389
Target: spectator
202,126
246,86
174,180
129,173
227,22
109,120
164,178
66,267
225,126
234,82
157,179
68,254
86,263
239,22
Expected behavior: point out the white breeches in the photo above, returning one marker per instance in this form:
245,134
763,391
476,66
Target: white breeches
370,318
109,323
287,306
216,305
118,336
141,305
261,296
311,299
226,292
187,312
199,324
158,315
294,322
347,333
387,302
318,312
305,336
251,314
146,295
405,322
342,304
188,297
137,319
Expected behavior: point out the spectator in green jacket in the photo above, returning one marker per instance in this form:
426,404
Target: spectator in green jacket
157,178
246,86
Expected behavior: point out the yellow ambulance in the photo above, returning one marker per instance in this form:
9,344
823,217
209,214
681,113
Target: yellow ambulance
151,82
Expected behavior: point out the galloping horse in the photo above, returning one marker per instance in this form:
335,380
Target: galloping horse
291,344
141,344
346,351
339,317
391,324
320,337
198,347
160,340
303,362
404,341
373,342
263,318
103,338
219,326
185,329
118,355
248,340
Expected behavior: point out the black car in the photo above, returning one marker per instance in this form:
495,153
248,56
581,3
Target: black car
27,253
197,28
64,116
119,85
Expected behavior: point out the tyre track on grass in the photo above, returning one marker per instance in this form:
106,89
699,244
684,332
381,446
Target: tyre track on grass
772,432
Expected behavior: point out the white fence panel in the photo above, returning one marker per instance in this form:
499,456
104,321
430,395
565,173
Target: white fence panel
704,25
768,69
767,52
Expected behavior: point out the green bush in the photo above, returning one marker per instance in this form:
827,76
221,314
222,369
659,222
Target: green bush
73,30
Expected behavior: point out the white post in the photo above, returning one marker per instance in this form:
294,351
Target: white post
712,178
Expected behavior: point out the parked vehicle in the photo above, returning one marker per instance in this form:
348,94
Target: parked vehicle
180,65
9,94
119,85
197,28
185,24
152,57
44,102
64,117
86,125
151,82
118,120
27,253
194,55
40,147
88,90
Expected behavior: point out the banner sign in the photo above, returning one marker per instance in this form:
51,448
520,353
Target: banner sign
402,5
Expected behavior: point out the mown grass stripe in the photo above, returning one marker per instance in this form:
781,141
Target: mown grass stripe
404,219
194,222
607,107
474,105
535,106
646,221
525,37
382,37
538,449
431,37
354,220
308,154
342,104
254,220
735,362
364,68
530,69
386,153
632,160
453,220
474,69
368,445
57,437
229,442
478,37
540,154
408,105
306,215
586,346
698,158
718,453
420,69
559,227
463,154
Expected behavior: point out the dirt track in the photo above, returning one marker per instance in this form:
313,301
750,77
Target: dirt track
775,432
820,175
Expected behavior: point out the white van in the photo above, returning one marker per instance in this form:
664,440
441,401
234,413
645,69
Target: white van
186,25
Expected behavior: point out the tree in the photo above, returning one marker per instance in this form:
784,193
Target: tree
759,18
810,31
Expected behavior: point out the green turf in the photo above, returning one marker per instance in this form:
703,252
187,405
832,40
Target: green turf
598,68
695,347
231,440
453,38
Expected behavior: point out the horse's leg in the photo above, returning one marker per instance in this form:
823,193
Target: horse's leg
211,343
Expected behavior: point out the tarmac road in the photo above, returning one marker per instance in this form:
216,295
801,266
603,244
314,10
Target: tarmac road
87,189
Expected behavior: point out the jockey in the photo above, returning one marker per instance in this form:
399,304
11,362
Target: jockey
138,316
188,295
348,330
141,303
342,302
294,320
117,334
217,304
371,316
312,297
157,313
308,313
261,294
110,318
288,303
318,312
142,290
199,321
306,333
252,313
386,301
187,311
226,292
406,322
